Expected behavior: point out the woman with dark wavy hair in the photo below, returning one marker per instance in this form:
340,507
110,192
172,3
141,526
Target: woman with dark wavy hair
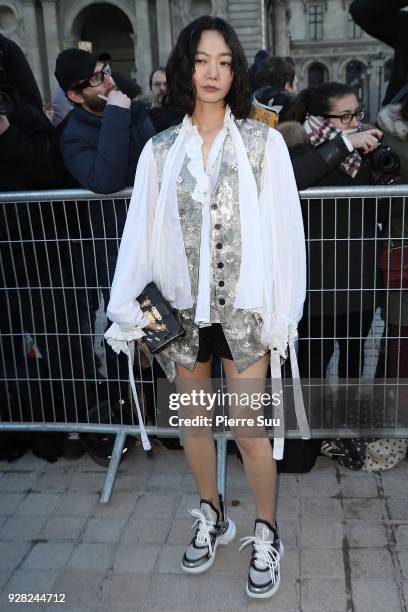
181,89
215,222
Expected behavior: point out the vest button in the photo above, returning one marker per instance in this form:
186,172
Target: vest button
221,301
221,284
220,264
217,226
219,245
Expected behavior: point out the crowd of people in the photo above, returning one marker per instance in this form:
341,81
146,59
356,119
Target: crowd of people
99,134
94,131
96,127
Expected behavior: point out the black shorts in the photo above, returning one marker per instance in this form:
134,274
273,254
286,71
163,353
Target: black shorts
212,341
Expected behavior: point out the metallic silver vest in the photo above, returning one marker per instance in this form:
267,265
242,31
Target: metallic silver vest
242,328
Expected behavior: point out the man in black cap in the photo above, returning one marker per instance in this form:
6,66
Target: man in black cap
105,134
101,141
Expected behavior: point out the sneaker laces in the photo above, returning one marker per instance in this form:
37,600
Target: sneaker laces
205,528
264,553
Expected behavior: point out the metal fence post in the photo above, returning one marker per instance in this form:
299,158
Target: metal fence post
113,467
222,466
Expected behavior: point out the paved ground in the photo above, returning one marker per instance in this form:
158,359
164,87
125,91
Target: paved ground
345,535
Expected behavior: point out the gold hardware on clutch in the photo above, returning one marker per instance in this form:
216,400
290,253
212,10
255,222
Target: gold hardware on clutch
150,316
156,313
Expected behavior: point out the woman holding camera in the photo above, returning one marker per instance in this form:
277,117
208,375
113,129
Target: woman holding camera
328,148
215,222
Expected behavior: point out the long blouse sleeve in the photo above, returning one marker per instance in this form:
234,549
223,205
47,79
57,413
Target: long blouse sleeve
133,271
284,240
285,262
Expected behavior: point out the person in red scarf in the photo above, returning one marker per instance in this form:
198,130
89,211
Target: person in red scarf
329,146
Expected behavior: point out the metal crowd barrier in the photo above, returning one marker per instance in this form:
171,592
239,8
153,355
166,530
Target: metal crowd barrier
58,252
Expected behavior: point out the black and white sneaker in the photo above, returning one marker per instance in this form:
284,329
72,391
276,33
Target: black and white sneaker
264,569
212,530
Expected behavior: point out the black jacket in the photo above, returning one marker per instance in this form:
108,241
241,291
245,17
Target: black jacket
312,165
340,245
17,72
163,118
384,20
101,152
29,154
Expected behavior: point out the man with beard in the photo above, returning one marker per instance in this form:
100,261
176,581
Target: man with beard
101,140
162,117
157,83
105,133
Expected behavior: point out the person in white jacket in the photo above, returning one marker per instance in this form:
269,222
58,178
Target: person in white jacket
215,222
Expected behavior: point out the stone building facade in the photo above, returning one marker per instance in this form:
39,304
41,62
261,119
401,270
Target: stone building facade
327,45
318,34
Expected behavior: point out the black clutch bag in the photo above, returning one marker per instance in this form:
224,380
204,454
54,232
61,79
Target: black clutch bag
156,309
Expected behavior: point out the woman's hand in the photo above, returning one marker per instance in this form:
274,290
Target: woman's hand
153,326
365,141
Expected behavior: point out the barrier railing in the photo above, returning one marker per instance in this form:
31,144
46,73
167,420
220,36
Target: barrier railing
58,253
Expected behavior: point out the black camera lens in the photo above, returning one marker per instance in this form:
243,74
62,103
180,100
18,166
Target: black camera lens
387,161
4,103
384,160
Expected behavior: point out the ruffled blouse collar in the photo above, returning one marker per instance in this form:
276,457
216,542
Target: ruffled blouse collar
189,128
193,147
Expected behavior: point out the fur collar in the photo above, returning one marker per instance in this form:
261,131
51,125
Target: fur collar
293,133
390,121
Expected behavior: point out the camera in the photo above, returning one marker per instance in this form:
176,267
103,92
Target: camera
7,99
5,103
383,159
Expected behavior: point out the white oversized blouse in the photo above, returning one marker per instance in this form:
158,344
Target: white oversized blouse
272,278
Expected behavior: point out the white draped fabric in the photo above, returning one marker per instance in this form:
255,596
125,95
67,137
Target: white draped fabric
272,278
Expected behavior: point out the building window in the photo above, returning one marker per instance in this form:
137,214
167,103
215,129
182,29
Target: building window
8,19
200,7
317,74
353,30
315,18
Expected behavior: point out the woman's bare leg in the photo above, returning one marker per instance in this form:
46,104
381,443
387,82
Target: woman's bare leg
259,465
199,446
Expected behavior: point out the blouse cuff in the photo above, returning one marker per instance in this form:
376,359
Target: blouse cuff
118,336
277,333
347,143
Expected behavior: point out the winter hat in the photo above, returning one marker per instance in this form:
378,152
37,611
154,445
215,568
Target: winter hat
75,65
260,56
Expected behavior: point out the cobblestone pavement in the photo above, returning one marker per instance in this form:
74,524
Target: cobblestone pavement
345,536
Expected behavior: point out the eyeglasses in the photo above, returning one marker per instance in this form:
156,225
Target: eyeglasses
346,118
96,79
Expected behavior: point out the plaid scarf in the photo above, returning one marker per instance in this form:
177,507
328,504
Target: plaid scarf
319,131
